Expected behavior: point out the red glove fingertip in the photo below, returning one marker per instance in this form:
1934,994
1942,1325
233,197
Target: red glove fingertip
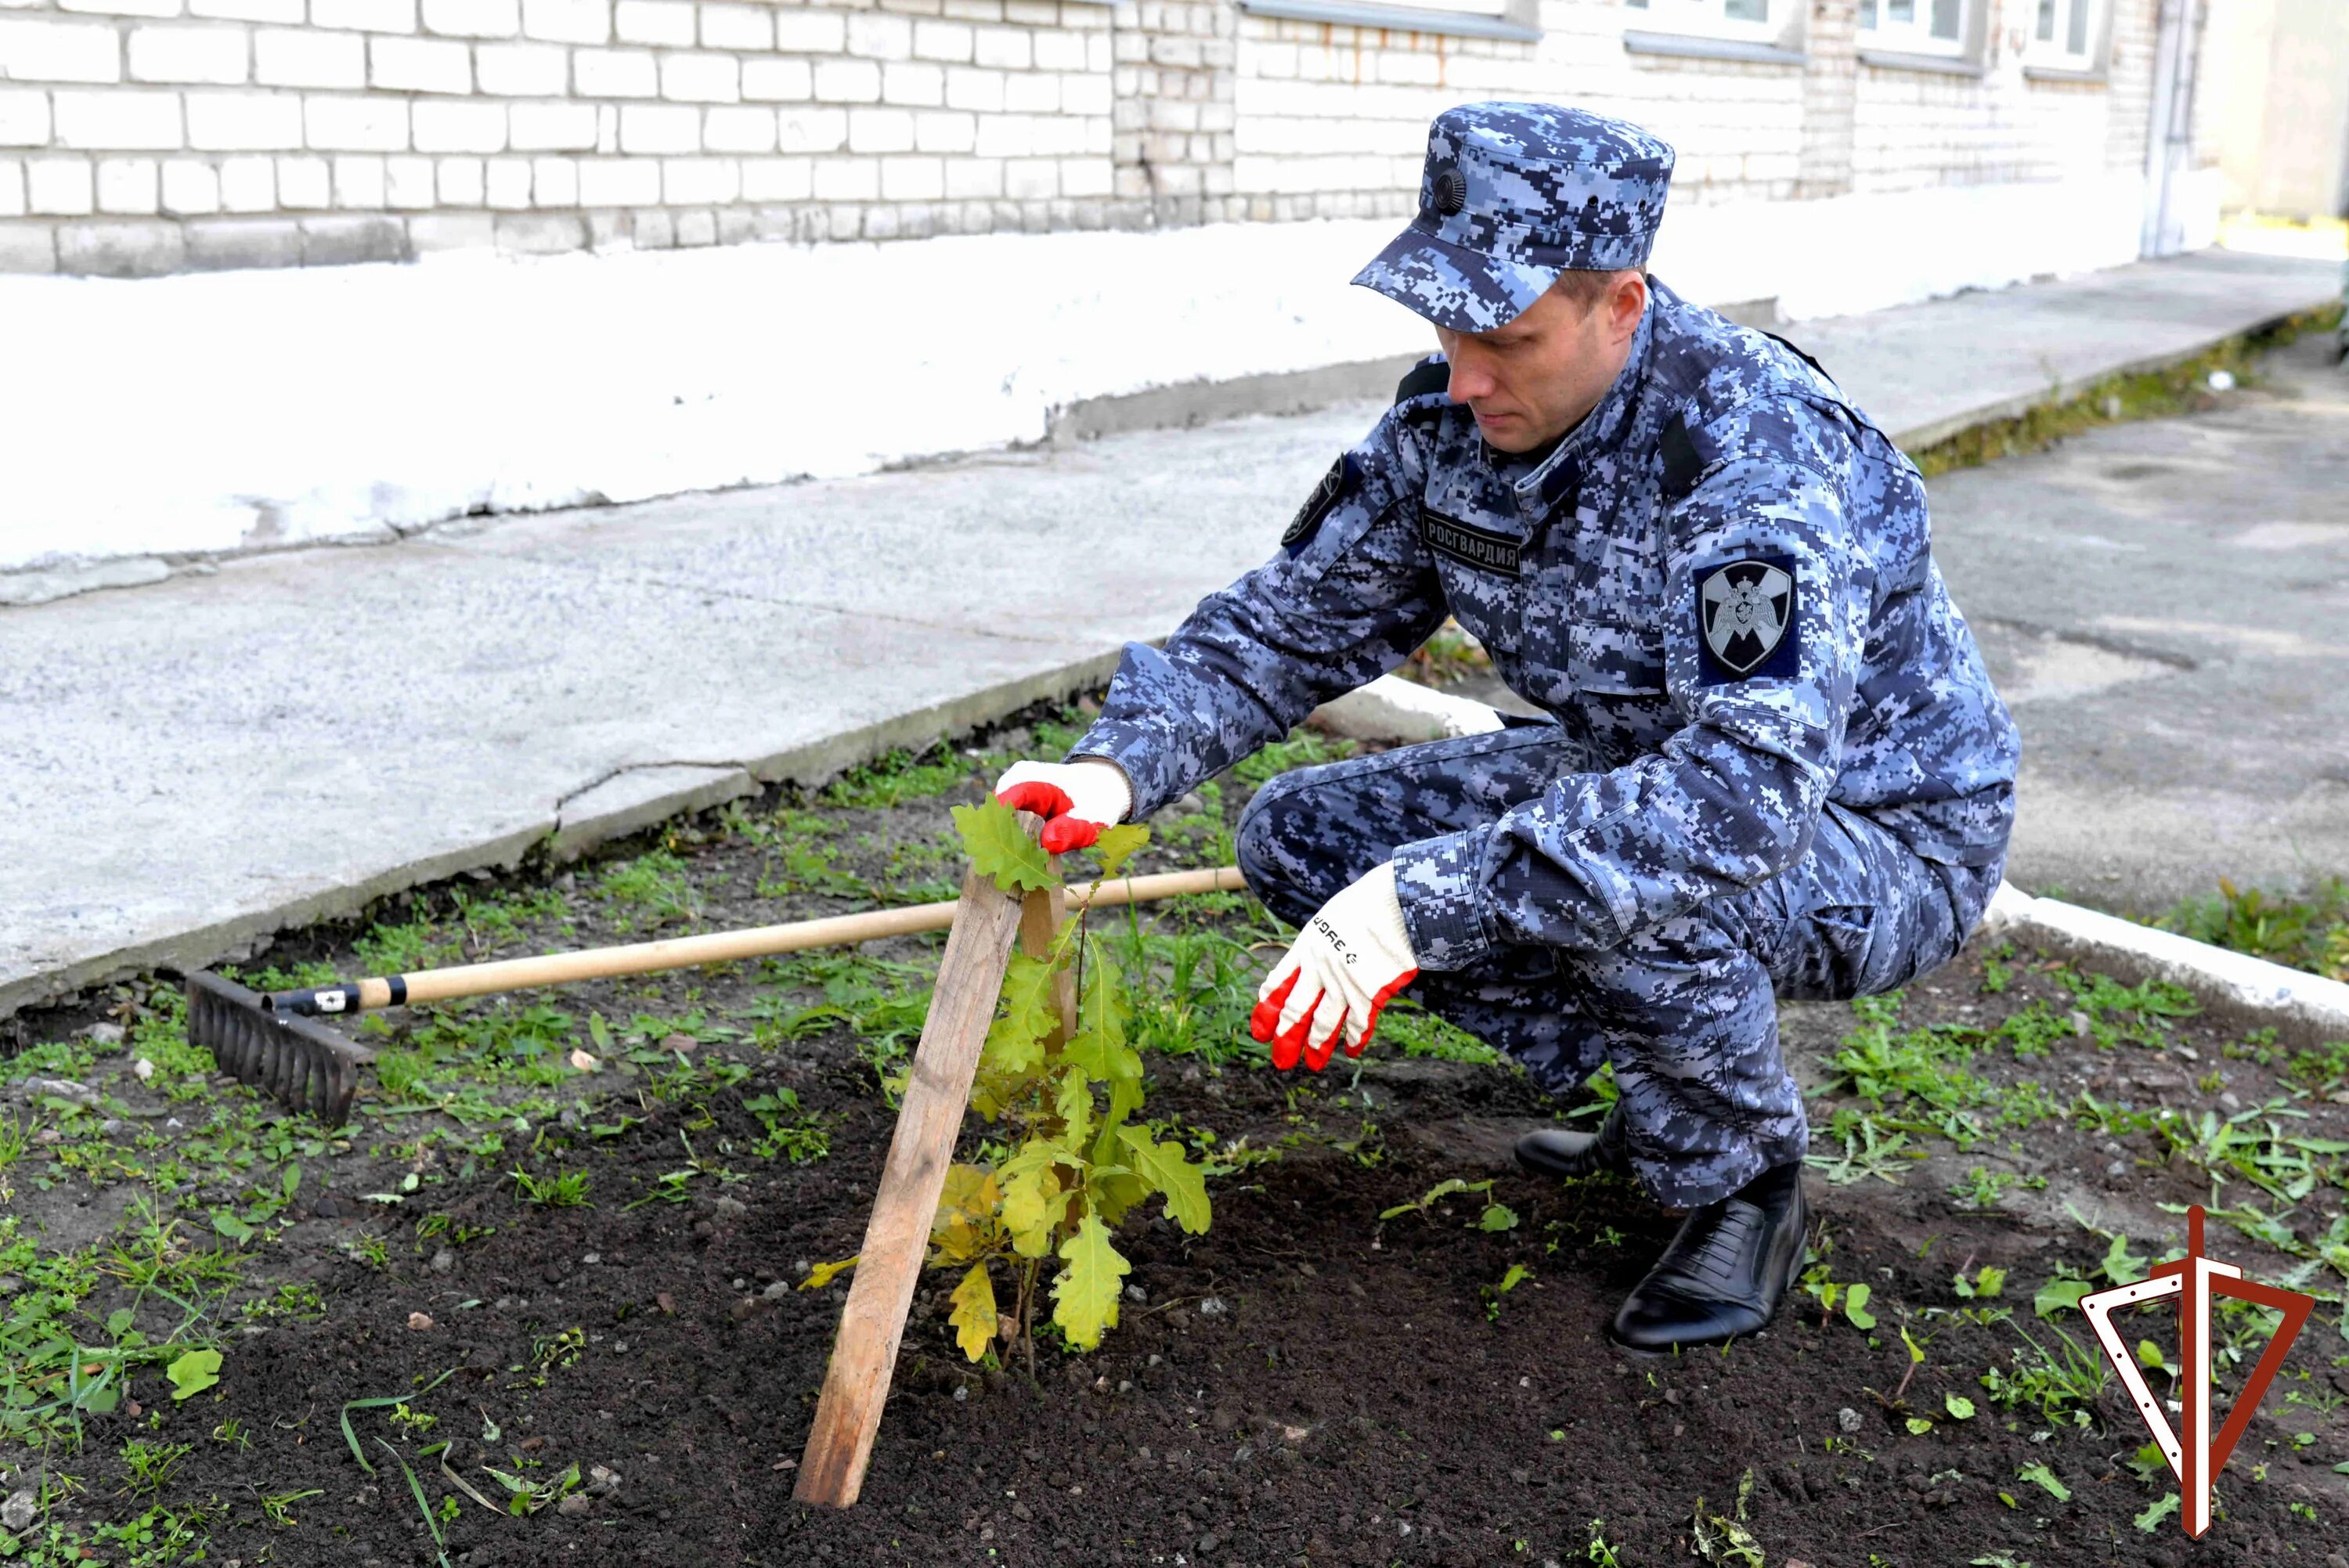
1047,800
1378,1004
1064,833
1265,1021
1290,1045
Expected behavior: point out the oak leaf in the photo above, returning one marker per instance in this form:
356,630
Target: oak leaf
973,1316
1084,1296
1000,848
1162,1166
1117,845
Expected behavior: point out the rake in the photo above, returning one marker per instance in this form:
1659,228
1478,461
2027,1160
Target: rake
275,1043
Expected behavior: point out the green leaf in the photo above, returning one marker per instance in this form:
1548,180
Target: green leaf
1104,1058
974,1312
2121,1265
1000,848
2057,1295
291,1182
968,1194
1959,1407
1117,845
1444,1189
1918,1426
2040,1474
1518,1274
1015,1041
1988,1282
118,1322
600,1032
1497,1217
1111,1189
193,1373
2148,1353
1074,1101
416,1489
1162,1167
1084,1296
1033,1199
2150,1520
1854,1307
229,1225
1101,1011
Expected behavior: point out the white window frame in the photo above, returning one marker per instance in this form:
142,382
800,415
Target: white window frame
1880,29
1710,18
2088,18
1494,8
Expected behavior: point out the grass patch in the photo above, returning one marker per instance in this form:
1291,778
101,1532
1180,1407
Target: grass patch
2308,931
2117,399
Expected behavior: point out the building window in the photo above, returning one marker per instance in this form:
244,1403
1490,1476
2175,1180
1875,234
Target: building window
1760,20
2065,34
1915,27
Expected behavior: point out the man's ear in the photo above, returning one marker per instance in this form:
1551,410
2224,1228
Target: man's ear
1626,303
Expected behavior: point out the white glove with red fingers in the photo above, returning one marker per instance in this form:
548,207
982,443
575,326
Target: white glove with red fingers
1349,958
1076,800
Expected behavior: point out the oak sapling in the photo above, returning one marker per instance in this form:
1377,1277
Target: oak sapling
1075,1161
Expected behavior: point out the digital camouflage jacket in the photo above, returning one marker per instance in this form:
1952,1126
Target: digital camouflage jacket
1719,584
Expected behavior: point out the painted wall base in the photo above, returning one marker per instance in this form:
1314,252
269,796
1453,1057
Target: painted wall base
207,414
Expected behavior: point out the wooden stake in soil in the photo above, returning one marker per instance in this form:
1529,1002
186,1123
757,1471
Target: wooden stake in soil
863,1356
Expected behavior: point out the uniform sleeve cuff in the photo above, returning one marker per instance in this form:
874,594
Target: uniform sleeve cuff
1132,748
1438,883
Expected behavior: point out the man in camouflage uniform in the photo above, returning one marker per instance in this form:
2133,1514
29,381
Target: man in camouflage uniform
1772,762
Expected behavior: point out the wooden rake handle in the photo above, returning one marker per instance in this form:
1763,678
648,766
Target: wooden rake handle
716,947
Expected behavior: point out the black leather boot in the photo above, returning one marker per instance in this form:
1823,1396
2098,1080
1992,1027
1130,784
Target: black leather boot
1726,1271
1563,1154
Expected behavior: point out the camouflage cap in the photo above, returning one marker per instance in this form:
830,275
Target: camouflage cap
1513,194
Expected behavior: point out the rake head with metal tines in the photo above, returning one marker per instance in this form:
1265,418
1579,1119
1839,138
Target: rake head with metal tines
303,1064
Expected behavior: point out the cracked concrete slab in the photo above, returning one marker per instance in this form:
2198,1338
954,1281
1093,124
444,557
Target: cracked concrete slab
2183,696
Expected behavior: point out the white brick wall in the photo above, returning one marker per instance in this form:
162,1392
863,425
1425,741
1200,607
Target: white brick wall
297,57
163,53
677,121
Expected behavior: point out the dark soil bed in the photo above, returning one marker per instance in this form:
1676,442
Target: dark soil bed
1305,1383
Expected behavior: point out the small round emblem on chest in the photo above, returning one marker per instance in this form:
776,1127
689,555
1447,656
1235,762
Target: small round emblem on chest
1451,193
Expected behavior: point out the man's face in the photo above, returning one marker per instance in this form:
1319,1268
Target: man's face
1532,381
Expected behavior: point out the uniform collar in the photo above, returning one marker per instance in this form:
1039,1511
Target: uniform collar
1542,487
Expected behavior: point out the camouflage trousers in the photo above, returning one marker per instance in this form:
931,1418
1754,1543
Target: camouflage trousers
1684,1009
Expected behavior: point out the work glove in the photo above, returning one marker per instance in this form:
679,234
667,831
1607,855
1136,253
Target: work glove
1076,800
1349,958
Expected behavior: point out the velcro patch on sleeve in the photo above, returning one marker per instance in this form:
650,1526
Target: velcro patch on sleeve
1317,505
1746,620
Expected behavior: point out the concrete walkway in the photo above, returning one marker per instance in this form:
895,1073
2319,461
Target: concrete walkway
190,765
